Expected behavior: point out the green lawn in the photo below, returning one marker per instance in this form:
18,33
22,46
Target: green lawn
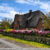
35,44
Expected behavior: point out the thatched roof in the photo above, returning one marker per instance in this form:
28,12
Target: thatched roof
29,19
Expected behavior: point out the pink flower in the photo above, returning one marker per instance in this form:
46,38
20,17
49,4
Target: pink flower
29,31
16,31
1,30
22,31
13,31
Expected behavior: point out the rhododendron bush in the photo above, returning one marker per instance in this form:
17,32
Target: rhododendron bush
34,31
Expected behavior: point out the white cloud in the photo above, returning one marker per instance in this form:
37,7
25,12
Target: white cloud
0,20
20,1
42,5
30,2
9,12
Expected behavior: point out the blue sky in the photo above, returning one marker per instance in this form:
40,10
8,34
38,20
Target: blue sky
8,8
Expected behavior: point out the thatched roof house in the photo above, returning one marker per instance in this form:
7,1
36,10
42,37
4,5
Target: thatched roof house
29,20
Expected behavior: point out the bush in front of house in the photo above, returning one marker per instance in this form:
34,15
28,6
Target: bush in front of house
27,32
30,35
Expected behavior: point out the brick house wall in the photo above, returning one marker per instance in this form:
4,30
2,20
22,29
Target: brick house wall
17,22
39,25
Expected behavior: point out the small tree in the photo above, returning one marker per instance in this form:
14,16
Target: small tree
5,24
46,23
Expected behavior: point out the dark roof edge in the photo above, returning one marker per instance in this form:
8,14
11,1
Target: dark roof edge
28,13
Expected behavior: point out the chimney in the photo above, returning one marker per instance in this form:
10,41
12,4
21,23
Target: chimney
30,11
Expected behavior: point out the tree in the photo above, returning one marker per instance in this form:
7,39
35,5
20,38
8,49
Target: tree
5,24
46,23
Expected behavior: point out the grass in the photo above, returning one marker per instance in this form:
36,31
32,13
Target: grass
35,44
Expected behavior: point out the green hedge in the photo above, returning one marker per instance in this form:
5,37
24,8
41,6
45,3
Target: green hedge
32,37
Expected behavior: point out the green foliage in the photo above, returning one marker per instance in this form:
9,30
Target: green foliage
46,22
5,24
48,35
8,30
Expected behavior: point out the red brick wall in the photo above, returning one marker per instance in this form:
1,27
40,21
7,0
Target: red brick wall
16,23
39,26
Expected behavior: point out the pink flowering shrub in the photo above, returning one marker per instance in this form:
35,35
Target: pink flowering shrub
29,31
22,31
16,31
2,30
43,32
12,31
34,31
29,35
